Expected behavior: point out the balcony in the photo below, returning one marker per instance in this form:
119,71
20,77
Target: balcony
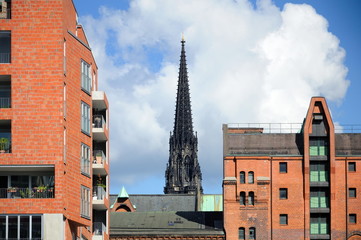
5,9
99,100
99,196
36,192
99,160
99,126
98,230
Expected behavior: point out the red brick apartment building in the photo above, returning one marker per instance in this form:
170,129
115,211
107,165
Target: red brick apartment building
304,185
53,126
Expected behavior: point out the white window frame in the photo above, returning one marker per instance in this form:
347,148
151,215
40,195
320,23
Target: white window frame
85,159
85,202
85,118
86,76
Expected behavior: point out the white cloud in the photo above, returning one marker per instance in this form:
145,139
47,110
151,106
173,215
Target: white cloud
246,64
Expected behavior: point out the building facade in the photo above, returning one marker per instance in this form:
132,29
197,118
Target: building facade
303,185
53,126
183,173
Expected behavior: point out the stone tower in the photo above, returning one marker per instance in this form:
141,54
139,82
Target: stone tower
183,174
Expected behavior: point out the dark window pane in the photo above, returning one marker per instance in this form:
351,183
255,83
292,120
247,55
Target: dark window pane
252,233
242,198
2,226
283,167
24,227
242,177
241,233
352,218
13,227
283,193
250,177
352,192
36,227
284,219
351,166
250,198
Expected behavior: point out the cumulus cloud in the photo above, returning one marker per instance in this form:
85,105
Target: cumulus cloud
246,63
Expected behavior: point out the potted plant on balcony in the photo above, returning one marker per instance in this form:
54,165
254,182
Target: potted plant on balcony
12,189
4,144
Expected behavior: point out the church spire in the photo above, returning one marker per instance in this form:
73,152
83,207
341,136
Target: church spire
183,174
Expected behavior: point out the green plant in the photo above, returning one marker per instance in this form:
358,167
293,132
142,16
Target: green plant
4,144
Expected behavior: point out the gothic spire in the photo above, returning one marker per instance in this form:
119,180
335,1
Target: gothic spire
183,125
183,174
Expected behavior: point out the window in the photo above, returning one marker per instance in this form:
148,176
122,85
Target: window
352,166
5,136
85,76
318,147
85,202
5,91
252,233
241,233
242,198
319,224
251,198
64,101
5,9
64,146
352,192
318,198
85,118
85,159
250,177
283,167
5,47
352,218
64,57
20,227
283,193
318,172
242,177
283,219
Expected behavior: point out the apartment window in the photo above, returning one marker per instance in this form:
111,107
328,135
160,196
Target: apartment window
85,76
318,198
318,147
318,172
85,159
5,91
283,193
283,219
352,218
319,224
352,192
252,233
251,198
5,136
64,100
242,198
250,177
242,177
352,166
283,167
20,227
64,57
241,233
85,202
85,118
5,47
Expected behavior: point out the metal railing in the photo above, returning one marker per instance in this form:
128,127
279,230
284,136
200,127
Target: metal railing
5,102
290,127
98,228
98,157
36,192
5,57
98,121
99,193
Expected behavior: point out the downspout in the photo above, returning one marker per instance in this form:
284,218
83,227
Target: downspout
346,193
271,168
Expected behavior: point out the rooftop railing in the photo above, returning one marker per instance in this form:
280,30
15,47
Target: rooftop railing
290,127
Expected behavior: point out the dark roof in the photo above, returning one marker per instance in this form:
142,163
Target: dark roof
348,144
166,223
161,202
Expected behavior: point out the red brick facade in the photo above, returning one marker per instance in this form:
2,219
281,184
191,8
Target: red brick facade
47,46
289,202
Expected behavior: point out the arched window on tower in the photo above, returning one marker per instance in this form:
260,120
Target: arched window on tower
242,177
242,198
251,198
241,233
250,177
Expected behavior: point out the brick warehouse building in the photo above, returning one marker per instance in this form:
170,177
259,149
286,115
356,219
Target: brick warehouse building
52,117
304,185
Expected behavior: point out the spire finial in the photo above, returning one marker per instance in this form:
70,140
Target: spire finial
182,37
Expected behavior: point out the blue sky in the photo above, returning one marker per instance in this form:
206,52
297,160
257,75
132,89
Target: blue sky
248,61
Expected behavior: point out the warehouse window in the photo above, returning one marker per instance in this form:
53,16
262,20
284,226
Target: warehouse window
251,198
252,233
283,167
241,233
352,192
250,177
352,166
318,172
242,177
283,193
352,218
319,224
242,198
283,219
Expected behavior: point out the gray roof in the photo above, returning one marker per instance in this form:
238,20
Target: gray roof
161,202
166,223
